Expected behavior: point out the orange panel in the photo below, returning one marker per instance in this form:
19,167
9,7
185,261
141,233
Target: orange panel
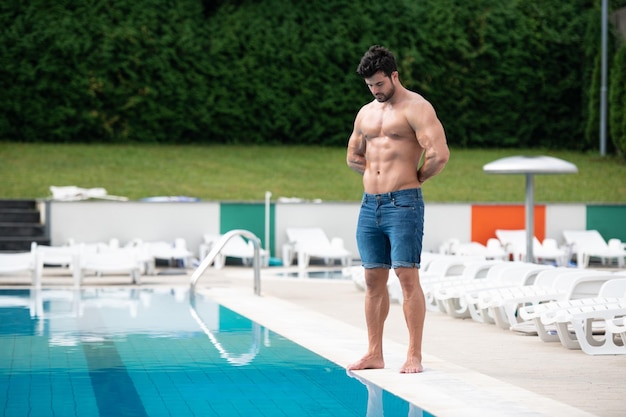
486,219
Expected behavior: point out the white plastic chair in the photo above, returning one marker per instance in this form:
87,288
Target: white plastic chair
67,256
312,242
11,263
175,252
110,261
585,292
514,241
587,244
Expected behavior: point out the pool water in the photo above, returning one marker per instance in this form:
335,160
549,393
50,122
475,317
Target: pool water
325,274
160,352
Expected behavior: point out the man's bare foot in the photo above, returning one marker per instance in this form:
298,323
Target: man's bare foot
367,362
412,366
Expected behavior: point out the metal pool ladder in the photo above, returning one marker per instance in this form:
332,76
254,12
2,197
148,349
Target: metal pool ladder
217,248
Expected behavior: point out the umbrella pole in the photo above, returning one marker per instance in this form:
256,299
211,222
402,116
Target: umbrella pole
530,221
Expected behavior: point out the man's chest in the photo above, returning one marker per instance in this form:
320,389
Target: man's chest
389,123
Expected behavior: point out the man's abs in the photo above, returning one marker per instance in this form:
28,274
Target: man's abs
379,179
391,165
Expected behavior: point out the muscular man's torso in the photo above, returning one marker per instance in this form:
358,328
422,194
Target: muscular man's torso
392,151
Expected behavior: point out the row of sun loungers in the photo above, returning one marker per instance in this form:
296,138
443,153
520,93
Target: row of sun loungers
580,246
137,257
581,309
80,259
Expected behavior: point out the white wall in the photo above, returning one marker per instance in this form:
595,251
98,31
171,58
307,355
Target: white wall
95,221
446,221
561,217
336,219
92,221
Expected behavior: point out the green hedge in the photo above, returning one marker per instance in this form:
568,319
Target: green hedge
617,101
511,71
102,71
500,73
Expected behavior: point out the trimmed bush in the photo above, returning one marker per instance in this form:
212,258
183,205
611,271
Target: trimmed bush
102,71
617,101
499,73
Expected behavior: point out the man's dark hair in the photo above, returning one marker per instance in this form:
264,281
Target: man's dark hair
377,58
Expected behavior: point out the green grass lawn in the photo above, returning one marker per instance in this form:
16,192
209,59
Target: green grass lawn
245,173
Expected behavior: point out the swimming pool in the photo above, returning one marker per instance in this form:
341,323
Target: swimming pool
335,274
160,352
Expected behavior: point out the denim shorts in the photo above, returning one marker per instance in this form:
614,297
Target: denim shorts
390,229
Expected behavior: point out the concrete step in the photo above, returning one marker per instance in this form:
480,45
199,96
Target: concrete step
18,204
19,216
20,225
22,229
21,244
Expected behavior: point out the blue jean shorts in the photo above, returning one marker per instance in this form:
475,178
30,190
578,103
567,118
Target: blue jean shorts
390,229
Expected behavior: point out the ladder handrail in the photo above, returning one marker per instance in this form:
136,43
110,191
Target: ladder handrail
217,248
233,359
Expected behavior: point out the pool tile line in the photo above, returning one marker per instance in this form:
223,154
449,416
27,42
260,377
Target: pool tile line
444,389
109,377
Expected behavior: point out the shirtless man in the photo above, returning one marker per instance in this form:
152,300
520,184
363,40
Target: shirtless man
391,135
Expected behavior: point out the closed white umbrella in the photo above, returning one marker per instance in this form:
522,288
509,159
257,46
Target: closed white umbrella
530,166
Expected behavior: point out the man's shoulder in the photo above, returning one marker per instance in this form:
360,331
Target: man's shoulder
370,104
367,107
415,97
416,101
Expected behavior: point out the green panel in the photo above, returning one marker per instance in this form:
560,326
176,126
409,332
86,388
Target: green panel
247,216
609,220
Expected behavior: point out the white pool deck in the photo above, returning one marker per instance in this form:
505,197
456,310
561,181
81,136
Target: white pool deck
471,369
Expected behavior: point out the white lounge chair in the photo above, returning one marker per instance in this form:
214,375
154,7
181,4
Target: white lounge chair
173,253
617,327
588,244
12,263
555,284
441,267
586,290
588,329
514,242
493,249
66,256
453,296
457,269
110,261
584,326
475,272
312,242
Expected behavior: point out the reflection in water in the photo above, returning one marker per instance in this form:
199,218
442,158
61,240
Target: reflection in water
236,360
375,399
56,306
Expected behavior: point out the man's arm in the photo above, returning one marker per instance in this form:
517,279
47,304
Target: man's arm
356,150
432,138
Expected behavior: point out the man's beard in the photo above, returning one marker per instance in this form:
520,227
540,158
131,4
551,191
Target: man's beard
381,98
